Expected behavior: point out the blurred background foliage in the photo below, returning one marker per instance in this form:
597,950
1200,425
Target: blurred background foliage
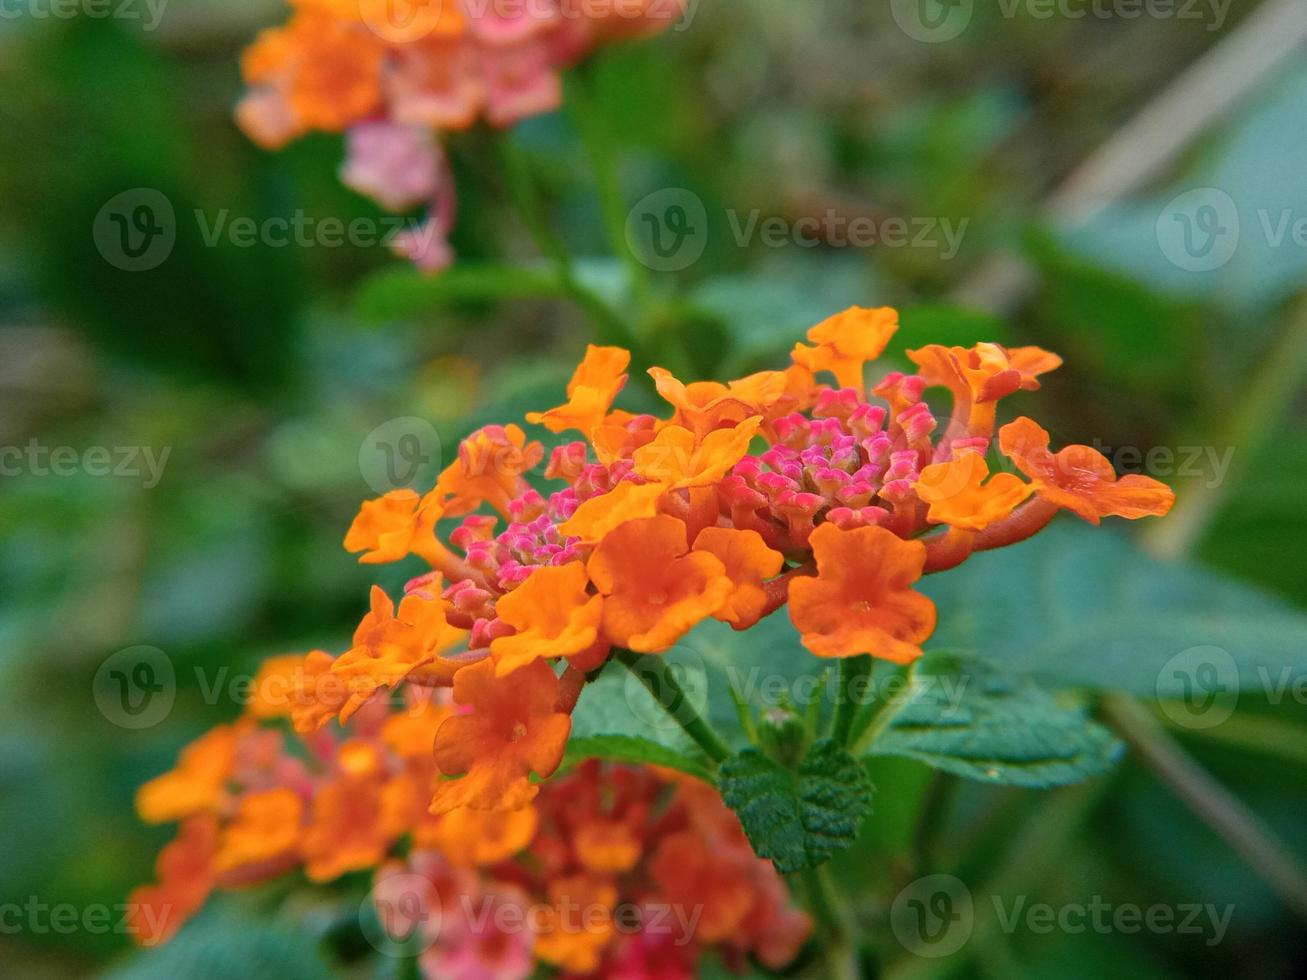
262,369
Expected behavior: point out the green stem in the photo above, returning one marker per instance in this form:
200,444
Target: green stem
1220,809
834,929
853,672
890,695
609,326
662,684
588,117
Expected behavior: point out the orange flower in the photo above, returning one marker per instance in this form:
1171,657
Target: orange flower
590,393
985,372
489,469
411,733
469,836
979,376
267,826
861,600
748,562
319,694
185,873
706,405
578,922
620,434
196,784
607,846
512,731
347,830
554,615
388,647
691,874
959,496
847,341
328,70
676,458
390,527
654,587
628,501
1081,479
273,694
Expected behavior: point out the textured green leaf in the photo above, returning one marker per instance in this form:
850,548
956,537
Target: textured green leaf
798,819
982,724
1081,606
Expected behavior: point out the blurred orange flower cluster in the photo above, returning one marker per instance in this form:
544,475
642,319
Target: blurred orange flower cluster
396,72
777,489
610,870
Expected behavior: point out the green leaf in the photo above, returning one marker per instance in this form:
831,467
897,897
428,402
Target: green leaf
218,947
798,819
985,725
399,293
1081,606
617,719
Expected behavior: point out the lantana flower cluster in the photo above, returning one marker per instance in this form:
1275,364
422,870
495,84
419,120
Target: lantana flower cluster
808,488
611,870
396,74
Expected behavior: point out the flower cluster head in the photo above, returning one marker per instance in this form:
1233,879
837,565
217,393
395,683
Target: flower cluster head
812,488
609,871
395,74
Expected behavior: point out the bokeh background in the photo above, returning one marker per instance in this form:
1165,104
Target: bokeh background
1054,147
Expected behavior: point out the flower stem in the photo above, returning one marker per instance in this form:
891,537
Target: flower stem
886,702
597,140
655,675
853,672
834,930
609,326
